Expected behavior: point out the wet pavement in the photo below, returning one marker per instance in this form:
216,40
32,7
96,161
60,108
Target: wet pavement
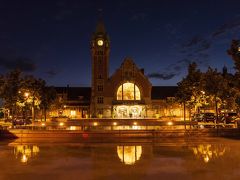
211,158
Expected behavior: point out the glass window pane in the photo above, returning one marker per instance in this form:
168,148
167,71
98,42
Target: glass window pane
126,92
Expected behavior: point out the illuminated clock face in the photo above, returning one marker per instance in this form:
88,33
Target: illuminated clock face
100,42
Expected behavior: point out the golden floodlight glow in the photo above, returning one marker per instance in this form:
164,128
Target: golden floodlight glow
24,158
95,123
43,124
100,42
170,123
26,94
129,154
61,124
25,152
72,128
114,123
207,152
135,123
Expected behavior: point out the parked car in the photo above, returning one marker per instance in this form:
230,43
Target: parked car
209,117
21,121
230,117
204,117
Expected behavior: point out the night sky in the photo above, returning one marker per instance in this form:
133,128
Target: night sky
51,39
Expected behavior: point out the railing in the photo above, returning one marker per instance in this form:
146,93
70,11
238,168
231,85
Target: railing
122,124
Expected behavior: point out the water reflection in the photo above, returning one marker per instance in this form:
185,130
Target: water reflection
129,154
208,152
26,152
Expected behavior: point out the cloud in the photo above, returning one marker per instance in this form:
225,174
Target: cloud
195,40
196,43
22,63
171,70
203,46
163,76
227,27
51,72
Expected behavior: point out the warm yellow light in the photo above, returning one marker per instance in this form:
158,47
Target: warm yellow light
100,42
239,49
61,124
129,154
26,152
73,128
24,158
206,159
114,123
203,92
95,123
136,127
208,152
26,94
73,113
135,123
65,106
128,91
170,123
43,124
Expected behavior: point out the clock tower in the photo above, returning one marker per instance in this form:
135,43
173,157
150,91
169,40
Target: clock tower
100,48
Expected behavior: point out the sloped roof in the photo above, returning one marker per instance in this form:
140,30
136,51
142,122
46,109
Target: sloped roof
162,92
74,93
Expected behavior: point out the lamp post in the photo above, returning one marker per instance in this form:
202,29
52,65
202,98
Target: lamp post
27,95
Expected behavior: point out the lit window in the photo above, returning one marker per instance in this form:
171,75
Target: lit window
73,113
128,91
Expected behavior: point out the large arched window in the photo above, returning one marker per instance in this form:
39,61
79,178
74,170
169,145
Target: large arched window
128,91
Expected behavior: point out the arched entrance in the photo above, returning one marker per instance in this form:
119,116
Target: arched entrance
128,104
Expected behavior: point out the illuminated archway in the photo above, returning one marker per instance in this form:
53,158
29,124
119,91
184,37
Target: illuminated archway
128,91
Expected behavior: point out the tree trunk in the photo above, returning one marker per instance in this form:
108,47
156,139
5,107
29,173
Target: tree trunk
184,114
216,108
33,111
45,114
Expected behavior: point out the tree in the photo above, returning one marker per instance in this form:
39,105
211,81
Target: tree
48,97
10,89
234,52
34,89
216,86
190,88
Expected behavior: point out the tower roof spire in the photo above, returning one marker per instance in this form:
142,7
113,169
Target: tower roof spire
100,24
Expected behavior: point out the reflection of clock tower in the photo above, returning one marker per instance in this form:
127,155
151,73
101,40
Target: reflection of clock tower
100,59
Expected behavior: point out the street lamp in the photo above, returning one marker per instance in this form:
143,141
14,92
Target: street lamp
26,94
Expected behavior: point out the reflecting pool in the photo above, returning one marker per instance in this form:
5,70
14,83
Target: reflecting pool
173,159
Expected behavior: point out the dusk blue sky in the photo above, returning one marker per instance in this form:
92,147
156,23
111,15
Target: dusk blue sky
51,39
